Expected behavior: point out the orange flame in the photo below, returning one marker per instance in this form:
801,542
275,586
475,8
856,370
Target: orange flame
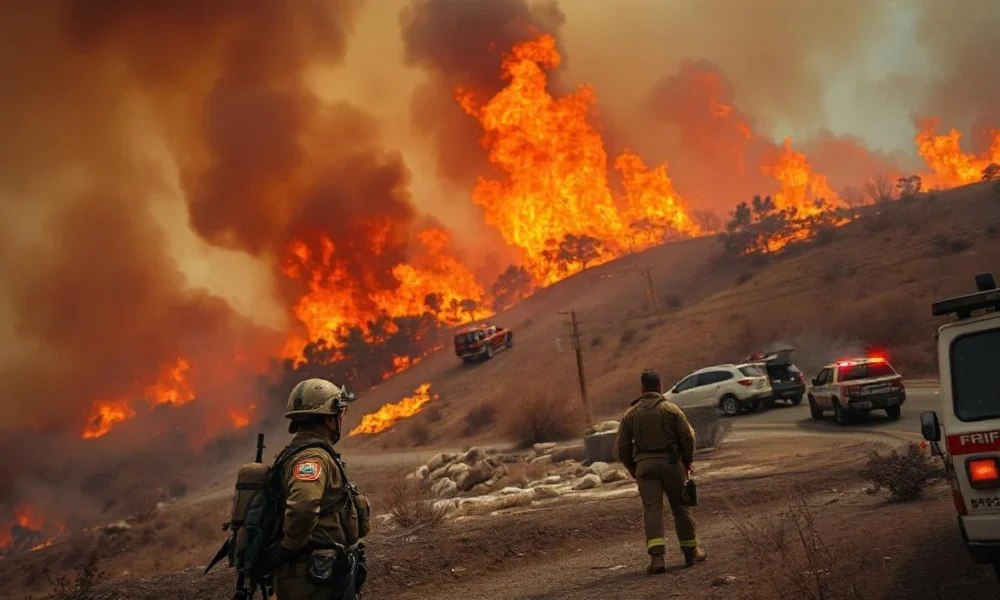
557,172
26,517
241,418
105,414
943,154
390,414
334,303
172,387
800,186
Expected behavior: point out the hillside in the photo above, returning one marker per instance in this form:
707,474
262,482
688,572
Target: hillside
867,285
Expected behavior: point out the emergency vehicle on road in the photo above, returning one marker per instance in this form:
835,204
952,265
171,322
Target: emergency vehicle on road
481,342
968,358
851,388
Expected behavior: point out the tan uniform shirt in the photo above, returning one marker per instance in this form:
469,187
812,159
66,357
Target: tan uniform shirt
654,427
314,496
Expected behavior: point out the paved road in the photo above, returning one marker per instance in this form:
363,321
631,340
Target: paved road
795,419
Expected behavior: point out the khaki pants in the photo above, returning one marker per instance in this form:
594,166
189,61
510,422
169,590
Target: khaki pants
658,477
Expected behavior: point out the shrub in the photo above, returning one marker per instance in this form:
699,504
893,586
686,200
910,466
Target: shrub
433,413
141,502
596,341
480,418
419,434
410,504
709,427
905,474
546,412
627,336
791,557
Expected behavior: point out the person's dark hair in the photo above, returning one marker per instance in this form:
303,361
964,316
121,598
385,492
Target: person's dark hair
650,381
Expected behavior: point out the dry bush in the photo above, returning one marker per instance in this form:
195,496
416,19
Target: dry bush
433,413
544,411
627,336
945,246
905,474
480,418
410,503
787,554
709,426
419,434
82,587
141,501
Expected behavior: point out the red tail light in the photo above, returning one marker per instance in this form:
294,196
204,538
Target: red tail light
746,382
983,472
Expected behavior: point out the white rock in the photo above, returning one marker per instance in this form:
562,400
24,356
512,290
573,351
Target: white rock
543,448
456,470
614,475
474,455
437,473
439,460
444,487
724,580
507,491
587,482
550,480
599,468
543,460
410,476
422,472
546,491
607,426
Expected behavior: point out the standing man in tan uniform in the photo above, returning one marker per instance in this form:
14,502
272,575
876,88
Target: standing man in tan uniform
656,444
316,556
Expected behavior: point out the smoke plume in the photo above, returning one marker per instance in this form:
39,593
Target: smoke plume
459,44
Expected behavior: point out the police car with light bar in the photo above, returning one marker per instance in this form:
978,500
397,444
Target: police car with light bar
968,358
852,388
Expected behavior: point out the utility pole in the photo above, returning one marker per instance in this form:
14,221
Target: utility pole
579,367
650,289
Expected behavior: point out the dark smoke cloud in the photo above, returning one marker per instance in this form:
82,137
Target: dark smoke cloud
460,43
720,153
99,306
960,39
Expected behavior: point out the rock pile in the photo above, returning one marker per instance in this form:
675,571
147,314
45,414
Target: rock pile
474,474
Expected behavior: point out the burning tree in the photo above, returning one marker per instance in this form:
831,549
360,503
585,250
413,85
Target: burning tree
512,285
752,226
909,186
582,249
991,172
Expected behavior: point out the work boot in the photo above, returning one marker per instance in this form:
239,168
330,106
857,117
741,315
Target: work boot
693,555
656,565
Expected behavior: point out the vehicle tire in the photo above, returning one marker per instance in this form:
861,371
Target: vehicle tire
769,403
815,411
996,569
754,406
510,340
839,414
730,405
892,411
797,400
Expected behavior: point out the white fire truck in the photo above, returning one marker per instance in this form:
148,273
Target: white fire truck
968,362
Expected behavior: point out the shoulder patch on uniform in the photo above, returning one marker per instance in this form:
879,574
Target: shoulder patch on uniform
307,470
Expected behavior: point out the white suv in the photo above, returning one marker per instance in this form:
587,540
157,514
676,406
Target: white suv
733,388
